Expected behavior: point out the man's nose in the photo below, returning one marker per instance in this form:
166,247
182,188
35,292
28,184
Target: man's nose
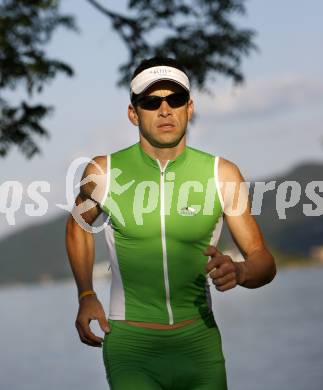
164,108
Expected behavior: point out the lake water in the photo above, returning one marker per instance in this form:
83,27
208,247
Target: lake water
272,337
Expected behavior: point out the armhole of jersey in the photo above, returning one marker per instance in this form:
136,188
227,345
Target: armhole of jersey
107,186
217,183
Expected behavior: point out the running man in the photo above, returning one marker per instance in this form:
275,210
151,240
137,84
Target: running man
166,203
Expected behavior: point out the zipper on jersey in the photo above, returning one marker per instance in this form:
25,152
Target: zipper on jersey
163,236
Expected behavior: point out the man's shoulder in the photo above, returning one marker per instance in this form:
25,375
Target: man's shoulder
100,164
97,165
223,163
228,170
126,150
198,152
93,182
227,164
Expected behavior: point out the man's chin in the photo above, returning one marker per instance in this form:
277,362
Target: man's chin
163,143
167,140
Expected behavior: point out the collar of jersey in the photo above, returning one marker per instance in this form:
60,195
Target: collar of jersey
171,163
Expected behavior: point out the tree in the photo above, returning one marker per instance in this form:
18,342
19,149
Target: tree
199,33
26,27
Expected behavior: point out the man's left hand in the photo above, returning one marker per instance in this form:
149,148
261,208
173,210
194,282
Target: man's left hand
224,272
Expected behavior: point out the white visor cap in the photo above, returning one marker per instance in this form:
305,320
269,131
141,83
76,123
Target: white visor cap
150,76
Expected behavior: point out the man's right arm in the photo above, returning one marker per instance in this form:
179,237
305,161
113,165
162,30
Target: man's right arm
80,248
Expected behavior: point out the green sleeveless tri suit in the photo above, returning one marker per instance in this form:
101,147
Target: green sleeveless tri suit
161,219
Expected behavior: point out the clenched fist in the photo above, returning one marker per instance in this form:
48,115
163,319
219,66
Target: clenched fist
224,272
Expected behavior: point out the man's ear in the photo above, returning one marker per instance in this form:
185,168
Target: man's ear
132,115
190,109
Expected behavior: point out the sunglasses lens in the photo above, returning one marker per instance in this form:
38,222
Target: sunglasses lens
150,102
176,100
153,102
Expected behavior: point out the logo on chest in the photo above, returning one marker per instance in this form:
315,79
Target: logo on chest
188,211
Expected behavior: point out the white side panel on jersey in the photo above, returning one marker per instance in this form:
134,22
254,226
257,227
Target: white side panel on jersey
107,187
214,241
117,295
216,231
217,181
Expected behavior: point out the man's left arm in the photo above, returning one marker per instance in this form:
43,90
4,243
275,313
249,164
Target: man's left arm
259,267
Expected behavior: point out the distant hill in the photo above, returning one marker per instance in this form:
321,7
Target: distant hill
38,252
298,233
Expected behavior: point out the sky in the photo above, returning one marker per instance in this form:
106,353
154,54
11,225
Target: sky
266,126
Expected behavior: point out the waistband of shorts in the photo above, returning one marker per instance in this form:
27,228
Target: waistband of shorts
199,323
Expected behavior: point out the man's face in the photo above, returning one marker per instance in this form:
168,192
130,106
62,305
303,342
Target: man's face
165,126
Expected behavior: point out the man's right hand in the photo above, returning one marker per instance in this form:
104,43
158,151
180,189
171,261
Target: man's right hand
91,309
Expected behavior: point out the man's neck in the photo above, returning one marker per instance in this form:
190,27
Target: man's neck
163,154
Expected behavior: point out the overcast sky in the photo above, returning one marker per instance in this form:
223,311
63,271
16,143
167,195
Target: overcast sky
268,125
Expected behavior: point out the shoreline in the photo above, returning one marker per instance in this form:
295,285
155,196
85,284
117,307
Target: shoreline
281,265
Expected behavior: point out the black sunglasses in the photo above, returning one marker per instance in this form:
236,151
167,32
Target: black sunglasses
153,102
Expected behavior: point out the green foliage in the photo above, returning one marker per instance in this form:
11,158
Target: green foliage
199,33
26,27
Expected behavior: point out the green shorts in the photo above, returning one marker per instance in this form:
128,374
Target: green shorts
189,357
